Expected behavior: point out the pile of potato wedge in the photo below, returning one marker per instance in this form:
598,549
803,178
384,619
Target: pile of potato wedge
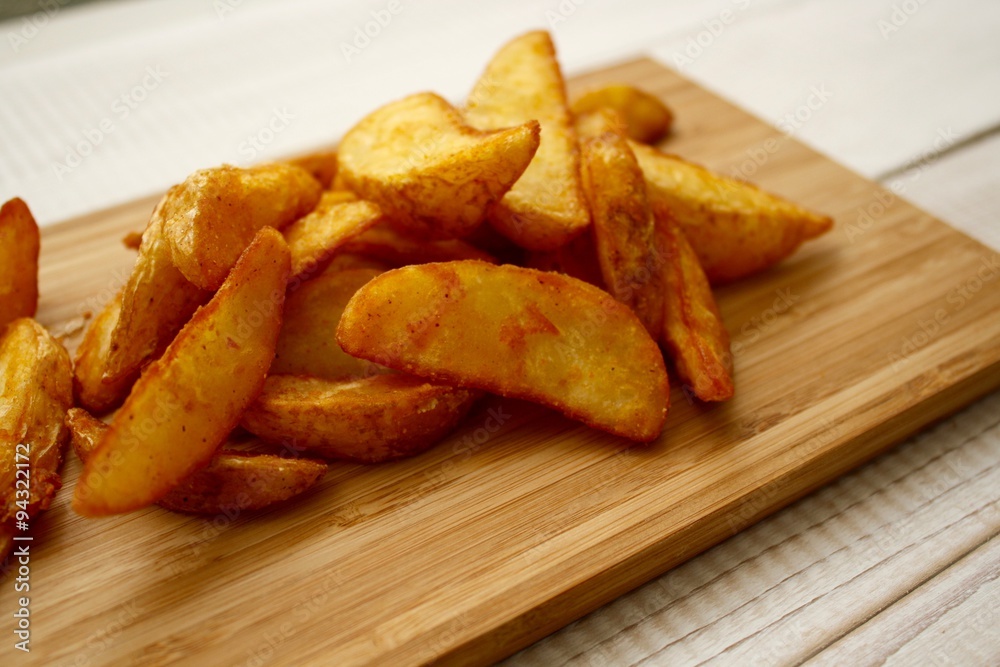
354,305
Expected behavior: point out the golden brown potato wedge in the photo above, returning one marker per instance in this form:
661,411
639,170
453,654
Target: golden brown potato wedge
396,248
516,332
19,244
178,412
693,331
315,238
427,170
646,118
368,420
215,213
735,228
623,224
523,82
156,302
321,164
307,344
231,480
36,390
91,364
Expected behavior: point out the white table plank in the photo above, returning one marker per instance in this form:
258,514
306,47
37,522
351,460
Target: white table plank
888,98
222,80
960,187
965,597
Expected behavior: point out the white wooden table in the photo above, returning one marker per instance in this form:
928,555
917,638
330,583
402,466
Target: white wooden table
895,563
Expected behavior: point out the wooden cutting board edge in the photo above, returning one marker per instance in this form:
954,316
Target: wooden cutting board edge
482,640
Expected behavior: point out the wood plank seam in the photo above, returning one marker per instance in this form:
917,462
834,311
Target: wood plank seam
926,620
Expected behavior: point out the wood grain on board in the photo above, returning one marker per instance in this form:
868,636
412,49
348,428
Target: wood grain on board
522,520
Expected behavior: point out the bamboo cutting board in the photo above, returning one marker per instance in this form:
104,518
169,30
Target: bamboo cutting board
522,520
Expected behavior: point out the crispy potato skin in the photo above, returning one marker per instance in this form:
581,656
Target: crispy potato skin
623,223
646,118
427,170
19,246
178,413
735,228
315,238
545,208
322,165
307,344
516,332
396,248
91,364
35,393
231,480
156,302
693,331
367,420
214,214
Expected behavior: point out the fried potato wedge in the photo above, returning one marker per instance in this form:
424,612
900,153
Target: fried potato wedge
523,82
156,302
646,118
624,233
396,248
427,170
321,164
307,344
315,238
735,228
693,332
19,245
91,364
36,390
214,214
516,332
178,414
231,480
367,420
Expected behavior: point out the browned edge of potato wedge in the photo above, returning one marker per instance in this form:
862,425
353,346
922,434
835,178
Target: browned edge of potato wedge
315,238
735,228
545,209
19,246
156,302
646,118
231,481
91,389
396,248
213,215
367,420
428,171
307,344
694,334
36,390
178,413
517,332
623,227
